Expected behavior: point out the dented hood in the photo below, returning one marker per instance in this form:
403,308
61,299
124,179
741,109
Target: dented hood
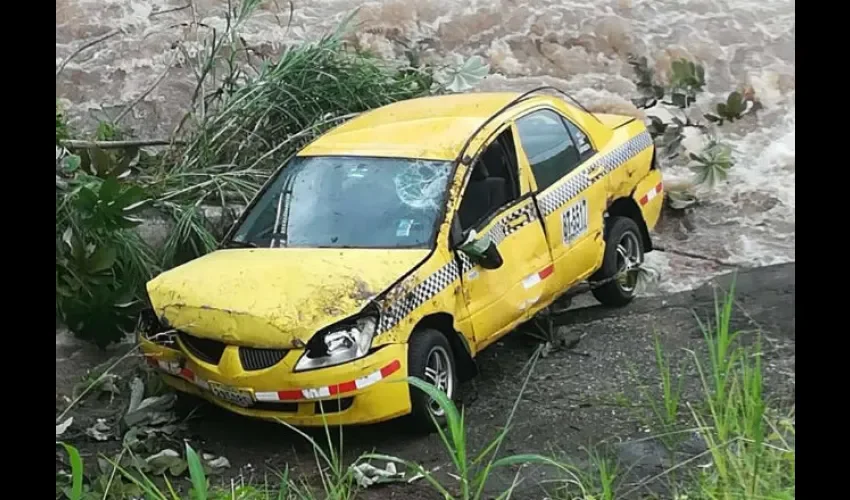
274,297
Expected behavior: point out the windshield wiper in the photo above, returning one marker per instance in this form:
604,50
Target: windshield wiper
240,244
281,224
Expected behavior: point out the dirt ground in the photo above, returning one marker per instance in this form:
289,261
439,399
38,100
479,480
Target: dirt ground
584,392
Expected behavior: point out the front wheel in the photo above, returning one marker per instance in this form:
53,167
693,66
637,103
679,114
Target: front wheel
617,278
430,359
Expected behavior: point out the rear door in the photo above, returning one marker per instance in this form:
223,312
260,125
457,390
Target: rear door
497,201
569,191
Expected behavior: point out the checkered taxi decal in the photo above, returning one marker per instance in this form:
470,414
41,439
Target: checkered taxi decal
443,277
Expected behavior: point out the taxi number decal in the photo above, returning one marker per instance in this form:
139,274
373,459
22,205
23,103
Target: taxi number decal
574,221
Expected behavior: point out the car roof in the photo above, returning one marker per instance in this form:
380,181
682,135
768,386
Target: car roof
434,127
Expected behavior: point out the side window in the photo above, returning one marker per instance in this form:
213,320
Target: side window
550,149
493,183
585,148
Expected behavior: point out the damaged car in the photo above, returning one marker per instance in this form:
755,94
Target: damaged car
402,243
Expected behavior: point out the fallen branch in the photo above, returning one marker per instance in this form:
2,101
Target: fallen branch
84,47
146,92
166,11
95,382
691,255
74,143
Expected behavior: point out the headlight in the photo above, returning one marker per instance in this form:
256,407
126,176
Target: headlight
339,345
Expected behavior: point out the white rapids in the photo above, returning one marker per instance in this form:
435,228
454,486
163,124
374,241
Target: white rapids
580,46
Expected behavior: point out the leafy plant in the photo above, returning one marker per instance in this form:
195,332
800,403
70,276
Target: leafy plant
680,199
245,121
100,163
62,131
712,164
463,77
108,131
668,136
687,79
733,109
100,261
650,91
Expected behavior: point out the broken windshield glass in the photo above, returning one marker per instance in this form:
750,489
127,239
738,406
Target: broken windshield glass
351,202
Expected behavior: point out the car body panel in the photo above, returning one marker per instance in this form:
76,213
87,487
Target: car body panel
411,129
431,288
649,196
288,295
634,157
274,298
614,121
572,211
499,299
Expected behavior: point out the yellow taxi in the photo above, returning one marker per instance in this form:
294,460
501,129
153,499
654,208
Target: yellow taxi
402,243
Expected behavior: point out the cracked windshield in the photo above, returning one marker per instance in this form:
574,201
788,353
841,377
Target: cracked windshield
349,203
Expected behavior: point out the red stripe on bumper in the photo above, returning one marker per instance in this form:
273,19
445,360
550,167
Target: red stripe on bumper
390,369
289,395
652,193
342,388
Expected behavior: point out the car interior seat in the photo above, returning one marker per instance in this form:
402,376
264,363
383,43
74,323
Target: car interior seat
484,192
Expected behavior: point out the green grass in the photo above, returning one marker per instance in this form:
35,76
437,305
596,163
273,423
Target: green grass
748,441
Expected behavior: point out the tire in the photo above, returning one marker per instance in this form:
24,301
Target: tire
426,345
623,235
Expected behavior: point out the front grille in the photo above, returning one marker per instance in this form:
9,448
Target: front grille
329,406
333,405
203,349
257,359
277,407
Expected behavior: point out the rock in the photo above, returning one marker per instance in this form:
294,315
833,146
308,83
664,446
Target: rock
693,446
156,227
644,457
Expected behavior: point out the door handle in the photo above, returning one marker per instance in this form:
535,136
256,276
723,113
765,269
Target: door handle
520,220
593,174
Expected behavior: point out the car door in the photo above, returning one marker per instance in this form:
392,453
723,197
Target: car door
497,201
569,191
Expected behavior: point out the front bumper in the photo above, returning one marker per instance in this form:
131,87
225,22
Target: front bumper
359,392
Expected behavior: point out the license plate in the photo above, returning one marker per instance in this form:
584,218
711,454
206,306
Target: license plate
233,395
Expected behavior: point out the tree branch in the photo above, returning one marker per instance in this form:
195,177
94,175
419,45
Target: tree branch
72,143
84,47
146,92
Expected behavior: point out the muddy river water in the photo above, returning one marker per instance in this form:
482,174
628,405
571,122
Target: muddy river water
580,46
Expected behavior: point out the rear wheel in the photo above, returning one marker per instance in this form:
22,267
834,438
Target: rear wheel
430,359
620,264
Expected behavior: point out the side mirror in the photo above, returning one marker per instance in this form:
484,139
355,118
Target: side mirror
482,251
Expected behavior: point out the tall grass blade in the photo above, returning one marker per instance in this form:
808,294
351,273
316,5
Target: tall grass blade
151,490
196,473
76,470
